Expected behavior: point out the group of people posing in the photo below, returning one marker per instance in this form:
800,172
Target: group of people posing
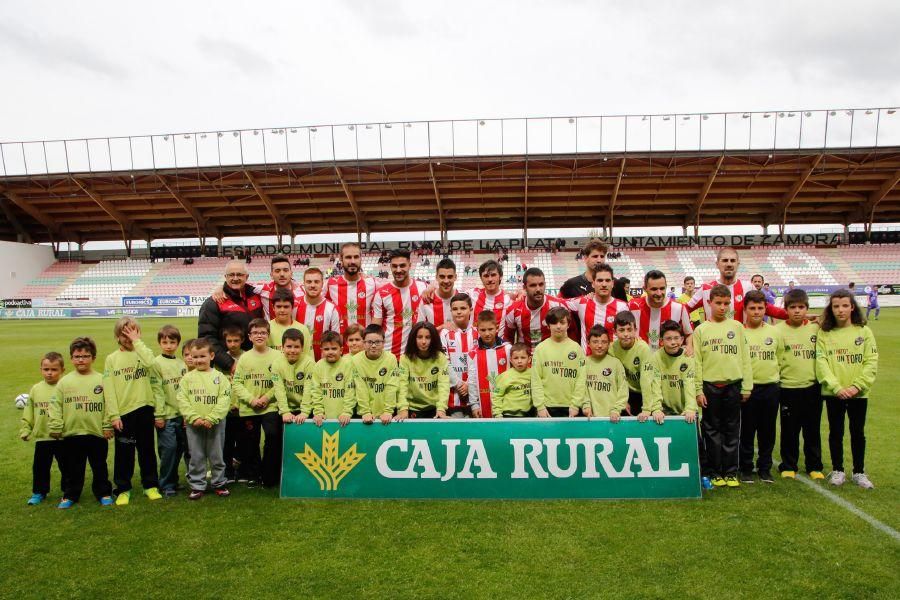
284,352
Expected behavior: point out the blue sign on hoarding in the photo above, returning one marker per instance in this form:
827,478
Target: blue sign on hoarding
156,300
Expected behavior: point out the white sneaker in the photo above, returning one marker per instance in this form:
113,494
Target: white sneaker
837,478
862,481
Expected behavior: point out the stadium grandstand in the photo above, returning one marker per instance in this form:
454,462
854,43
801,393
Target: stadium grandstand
766,169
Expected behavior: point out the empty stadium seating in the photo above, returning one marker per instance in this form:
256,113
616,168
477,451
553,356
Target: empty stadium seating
806,266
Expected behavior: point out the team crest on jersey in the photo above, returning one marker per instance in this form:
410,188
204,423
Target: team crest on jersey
498,305
730,335
216,380
319,318
683,367
382,371
738,298
859,341
252,303
415,298
361,295
98,389
300,376
434,370
183,371
637,361
610,319
572,355
501,362
339,377
607,372
769,341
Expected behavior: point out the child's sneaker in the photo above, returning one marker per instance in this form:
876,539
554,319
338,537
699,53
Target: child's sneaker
153,494
788,474
65,503
747,477
169,493
106,501
718,481
816,475
837,478
123,499
222,492
766,477
705,483
862,481
36,499
195,495
732,481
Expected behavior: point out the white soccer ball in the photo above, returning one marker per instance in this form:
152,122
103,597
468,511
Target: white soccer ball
22,400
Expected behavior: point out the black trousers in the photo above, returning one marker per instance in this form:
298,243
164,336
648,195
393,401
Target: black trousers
138,434
721,426
425,413
268,467
801,412
232,432
635,404
855,408
77,451
758,417
44,453
558,411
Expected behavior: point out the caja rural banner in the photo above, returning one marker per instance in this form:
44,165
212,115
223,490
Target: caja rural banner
483,458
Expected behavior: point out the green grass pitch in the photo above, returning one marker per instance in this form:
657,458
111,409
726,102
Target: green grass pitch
775,541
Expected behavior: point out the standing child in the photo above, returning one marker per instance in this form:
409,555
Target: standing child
801,394
487,359
283,309
293,372
376,379
353,339
724,380
634,354
85,418
511,396
204,398
252,387
677,393
607,386
233,336
36,426
332,394
458,340
557,374
423,376
846,364
873,302
170,440
126,383
760,412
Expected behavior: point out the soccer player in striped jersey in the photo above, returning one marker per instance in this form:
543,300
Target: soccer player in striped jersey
314,311
491,297
282,279
396,304
526,319
688,289
728,261
599,308
486,361
656,308
353,292
437,310
458,341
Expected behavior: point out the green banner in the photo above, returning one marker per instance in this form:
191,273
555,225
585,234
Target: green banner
484,458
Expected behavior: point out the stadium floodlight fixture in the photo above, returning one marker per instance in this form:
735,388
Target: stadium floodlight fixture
387,125
745,116
166,138
781,115
666,117
187,136
256,132
891,111
869,112
705,117
313,129
368,127
686,117
479,122
832,113
351,127
766,116
792,115
219,134
202,136
807,114
293,131
644,118
410,124
571,120
275,131
848,113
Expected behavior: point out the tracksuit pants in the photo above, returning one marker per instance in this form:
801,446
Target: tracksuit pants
721,427
268,468
801,412
855,409
231,450
137,435
44,453
758,417
206,447
78,451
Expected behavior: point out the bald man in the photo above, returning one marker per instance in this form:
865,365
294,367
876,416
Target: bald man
238,307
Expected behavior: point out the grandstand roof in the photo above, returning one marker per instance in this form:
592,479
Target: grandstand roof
478,191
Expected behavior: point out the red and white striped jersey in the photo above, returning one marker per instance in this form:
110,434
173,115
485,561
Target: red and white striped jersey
437,312
499,303
592,312
457,344
650,319
267,290
530,326
736,312
485,364
353,299
397,308
319,318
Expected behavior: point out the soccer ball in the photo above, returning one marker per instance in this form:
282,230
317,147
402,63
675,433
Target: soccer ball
22,400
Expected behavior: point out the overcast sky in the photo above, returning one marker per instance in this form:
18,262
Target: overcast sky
90,68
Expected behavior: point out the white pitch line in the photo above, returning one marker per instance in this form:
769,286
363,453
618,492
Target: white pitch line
852,508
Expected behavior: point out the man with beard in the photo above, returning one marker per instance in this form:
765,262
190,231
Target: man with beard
396,304
728,261
353,292
437,310
314,311
526,319
599,308
654,309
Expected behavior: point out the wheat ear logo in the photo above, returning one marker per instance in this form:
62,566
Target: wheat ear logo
329,468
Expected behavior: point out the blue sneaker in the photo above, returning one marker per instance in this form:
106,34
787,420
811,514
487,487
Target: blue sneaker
65,503
705,483
36,499
106,501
